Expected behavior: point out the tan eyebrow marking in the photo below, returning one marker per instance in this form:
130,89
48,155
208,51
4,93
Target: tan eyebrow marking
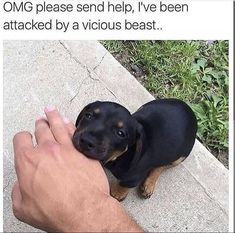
120,124
97,110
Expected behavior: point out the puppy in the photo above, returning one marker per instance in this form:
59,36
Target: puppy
136,148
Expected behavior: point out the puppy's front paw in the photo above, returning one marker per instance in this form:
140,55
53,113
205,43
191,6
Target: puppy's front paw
119,192
146,190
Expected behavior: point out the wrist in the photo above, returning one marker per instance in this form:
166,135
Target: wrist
118,218
104,215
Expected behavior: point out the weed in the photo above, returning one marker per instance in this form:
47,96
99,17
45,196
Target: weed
194,71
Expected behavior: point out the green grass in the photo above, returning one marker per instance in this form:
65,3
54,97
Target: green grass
194,71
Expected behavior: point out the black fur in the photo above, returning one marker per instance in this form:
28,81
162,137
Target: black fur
157,134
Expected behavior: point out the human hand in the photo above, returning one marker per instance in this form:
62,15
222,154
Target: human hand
59,189
55,181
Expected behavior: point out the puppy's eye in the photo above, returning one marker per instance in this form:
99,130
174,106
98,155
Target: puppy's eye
88,116
121,133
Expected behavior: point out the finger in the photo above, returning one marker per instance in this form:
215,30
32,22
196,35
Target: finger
16,199
70,127
22,143
42,131
57,126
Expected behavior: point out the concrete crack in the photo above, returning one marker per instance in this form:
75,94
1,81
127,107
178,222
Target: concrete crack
71,55
79,62
88,71
100,61
8,182
6,186
90,75
79,88
111,92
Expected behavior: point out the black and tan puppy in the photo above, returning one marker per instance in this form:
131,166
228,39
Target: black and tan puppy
136,148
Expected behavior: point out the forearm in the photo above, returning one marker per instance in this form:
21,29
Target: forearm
106,216
119,220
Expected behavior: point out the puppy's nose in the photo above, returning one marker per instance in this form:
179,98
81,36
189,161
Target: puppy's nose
86,142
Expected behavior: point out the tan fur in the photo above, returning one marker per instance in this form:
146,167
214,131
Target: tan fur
97,110
118,192
178,161
147,188
116,154
120,124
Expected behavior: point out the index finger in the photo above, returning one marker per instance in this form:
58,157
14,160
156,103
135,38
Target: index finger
57,125
70,127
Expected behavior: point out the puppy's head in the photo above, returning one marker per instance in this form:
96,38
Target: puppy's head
105,130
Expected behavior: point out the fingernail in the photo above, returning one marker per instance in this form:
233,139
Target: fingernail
50,108
66,120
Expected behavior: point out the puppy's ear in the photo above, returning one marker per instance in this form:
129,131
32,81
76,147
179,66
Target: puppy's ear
86,108
140,137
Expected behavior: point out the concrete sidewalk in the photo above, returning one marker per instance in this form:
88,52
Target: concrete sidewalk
192,197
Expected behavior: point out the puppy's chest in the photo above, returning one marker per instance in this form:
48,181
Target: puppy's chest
124,168
121,167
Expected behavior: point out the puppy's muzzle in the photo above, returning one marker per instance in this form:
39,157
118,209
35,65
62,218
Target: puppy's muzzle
87,144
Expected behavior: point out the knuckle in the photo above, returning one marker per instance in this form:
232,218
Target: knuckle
58,128
57,122
51,147
28,155
41,125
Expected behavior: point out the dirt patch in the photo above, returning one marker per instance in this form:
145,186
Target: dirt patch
222,157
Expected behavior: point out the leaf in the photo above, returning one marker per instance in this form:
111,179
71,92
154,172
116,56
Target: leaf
216,100
215,74
202,62
206,78
208,70
195,67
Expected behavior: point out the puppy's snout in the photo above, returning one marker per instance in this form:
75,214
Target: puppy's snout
86,142
89,144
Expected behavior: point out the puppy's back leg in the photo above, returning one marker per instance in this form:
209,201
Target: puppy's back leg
147,188
176,162
149,184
